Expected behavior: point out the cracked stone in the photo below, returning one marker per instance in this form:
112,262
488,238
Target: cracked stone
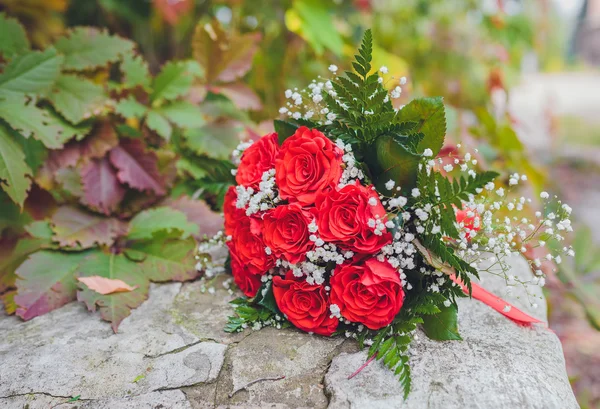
70,352
154,400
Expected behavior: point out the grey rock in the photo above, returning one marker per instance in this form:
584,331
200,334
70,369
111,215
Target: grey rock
172,353
174,399
70,352
499,364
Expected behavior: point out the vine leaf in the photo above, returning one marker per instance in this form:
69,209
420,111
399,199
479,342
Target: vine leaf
165,258
76,98
87,48
101,186
46,281
31,74
225,57
148,222
15,175
159,124
198,212
135,71
137,167
13,39
29,120
175,80
113,307
75,228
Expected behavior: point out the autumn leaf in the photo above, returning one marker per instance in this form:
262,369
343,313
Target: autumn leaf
46,281
151,221
241,95
137,167
224,57
106,286
198,212
117,306
75,228
101,186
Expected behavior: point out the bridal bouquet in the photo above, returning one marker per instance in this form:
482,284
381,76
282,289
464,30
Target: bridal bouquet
348,220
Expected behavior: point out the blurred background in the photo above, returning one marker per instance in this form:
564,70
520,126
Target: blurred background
521,79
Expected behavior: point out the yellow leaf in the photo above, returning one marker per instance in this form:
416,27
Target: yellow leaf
106,286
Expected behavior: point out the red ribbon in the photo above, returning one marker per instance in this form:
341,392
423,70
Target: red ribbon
497,303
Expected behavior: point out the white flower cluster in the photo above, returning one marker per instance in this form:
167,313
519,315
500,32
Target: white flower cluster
236,155
265,198
351,172
400,254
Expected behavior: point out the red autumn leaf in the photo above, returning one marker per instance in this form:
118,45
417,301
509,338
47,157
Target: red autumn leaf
240,94
75,228
197,211
96,145
172,10
46,282
225,56
136,167
102,140
105,286
101,186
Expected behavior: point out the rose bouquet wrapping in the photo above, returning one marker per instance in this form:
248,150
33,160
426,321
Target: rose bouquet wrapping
346,221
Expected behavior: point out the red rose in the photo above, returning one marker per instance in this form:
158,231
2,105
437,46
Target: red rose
306,306
307,164
248,282
250,247
230,211
285,231
348,217
370,292
471,223
256,160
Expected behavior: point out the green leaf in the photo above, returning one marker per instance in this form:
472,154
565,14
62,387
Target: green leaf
165,258
76,98
29,120
15,175
284,129
87,48
35,151
130,108
117,306
317,26
215,139
183,114
46,281
265,297
389,160
40,229
174,80
442,326
135,71
32,73
148,222
159,124
430,115
70,131
13,39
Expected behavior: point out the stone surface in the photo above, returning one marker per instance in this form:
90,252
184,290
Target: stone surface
172,353
499,364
